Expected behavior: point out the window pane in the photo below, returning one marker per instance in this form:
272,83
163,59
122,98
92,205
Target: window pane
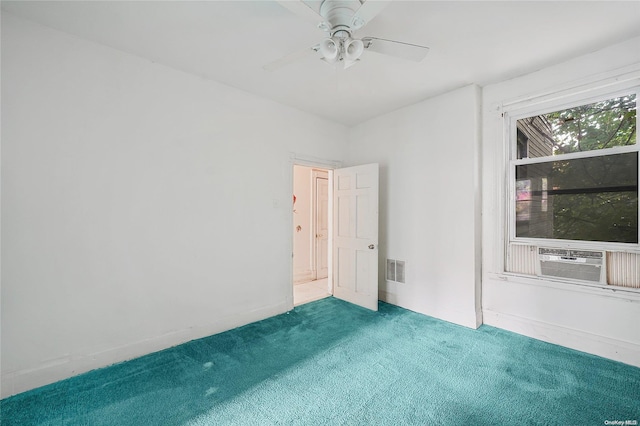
584,128
589,199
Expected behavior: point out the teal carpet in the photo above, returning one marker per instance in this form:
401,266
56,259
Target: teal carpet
332,363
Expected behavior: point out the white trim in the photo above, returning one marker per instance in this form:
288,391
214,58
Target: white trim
578,244
577,155
303,276
624,293
310,161
316,174
466,318
14,382
573,99
610,81
604,346
505,188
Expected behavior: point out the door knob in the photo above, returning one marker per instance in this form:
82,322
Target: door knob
371,246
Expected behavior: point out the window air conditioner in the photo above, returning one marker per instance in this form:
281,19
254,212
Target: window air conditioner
571,264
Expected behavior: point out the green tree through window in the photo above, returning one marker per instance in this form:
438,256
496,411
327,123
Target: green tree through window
594,198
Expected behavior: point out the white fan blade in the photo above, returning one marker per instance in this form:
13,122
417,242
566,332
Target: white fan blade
412,52
303,10
290,58
368,11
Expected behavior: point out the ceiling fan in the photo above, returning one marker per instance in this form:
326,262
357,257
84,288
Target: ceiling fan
340,19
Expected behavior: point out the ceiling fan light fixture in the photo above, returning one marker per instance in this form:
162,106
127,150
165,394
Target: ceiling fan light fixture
353,49
340,19
329,50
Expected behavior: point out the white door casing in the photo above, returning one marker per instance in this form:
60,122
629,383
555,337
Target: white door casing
355,254
322,225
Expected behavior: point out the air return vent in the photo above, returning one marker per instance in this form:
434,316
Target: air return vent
391,270
572,264
395,270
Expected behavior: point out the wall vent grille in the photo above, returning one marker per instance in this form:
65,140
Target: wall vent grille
391,270
395,270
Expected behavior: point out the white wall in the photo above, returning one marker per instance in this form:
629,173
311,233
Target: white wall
429,202
302,239
142,206
135,197
599,321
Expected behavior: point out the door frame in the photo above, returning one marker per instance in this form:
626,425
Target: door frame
318,173
296,159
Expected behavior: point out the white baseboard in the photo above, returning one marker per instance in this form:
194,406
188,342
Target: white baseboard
468,319
615,349
15,382
302,276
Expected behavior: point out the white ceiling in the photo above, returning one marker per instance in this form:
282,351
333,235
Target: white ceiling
229,41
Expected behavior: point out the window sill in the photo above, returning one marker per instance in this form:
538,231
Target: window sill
631,294
578,245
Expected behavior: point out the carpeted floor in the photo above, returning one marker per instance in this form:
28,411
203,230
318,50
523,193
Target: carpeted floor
329,362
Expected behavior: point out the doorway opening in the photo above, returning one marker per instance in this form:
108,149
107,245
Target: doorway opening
311,227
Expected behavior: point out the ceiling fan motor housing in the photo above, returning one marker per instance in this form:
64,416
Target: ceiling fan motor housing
340,15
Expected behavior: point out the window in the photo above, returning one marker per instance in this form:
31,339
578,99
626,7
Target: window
574,173
523,144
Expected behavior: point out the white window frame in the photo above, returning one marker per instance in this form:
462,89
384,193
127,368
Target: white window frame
584,97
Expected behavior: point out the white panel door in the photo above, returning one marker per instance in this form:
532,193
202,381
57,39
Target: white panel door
355,254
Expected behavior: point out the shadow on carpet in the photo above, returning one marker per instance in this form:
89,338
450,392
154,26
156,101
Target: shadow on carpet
329,362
